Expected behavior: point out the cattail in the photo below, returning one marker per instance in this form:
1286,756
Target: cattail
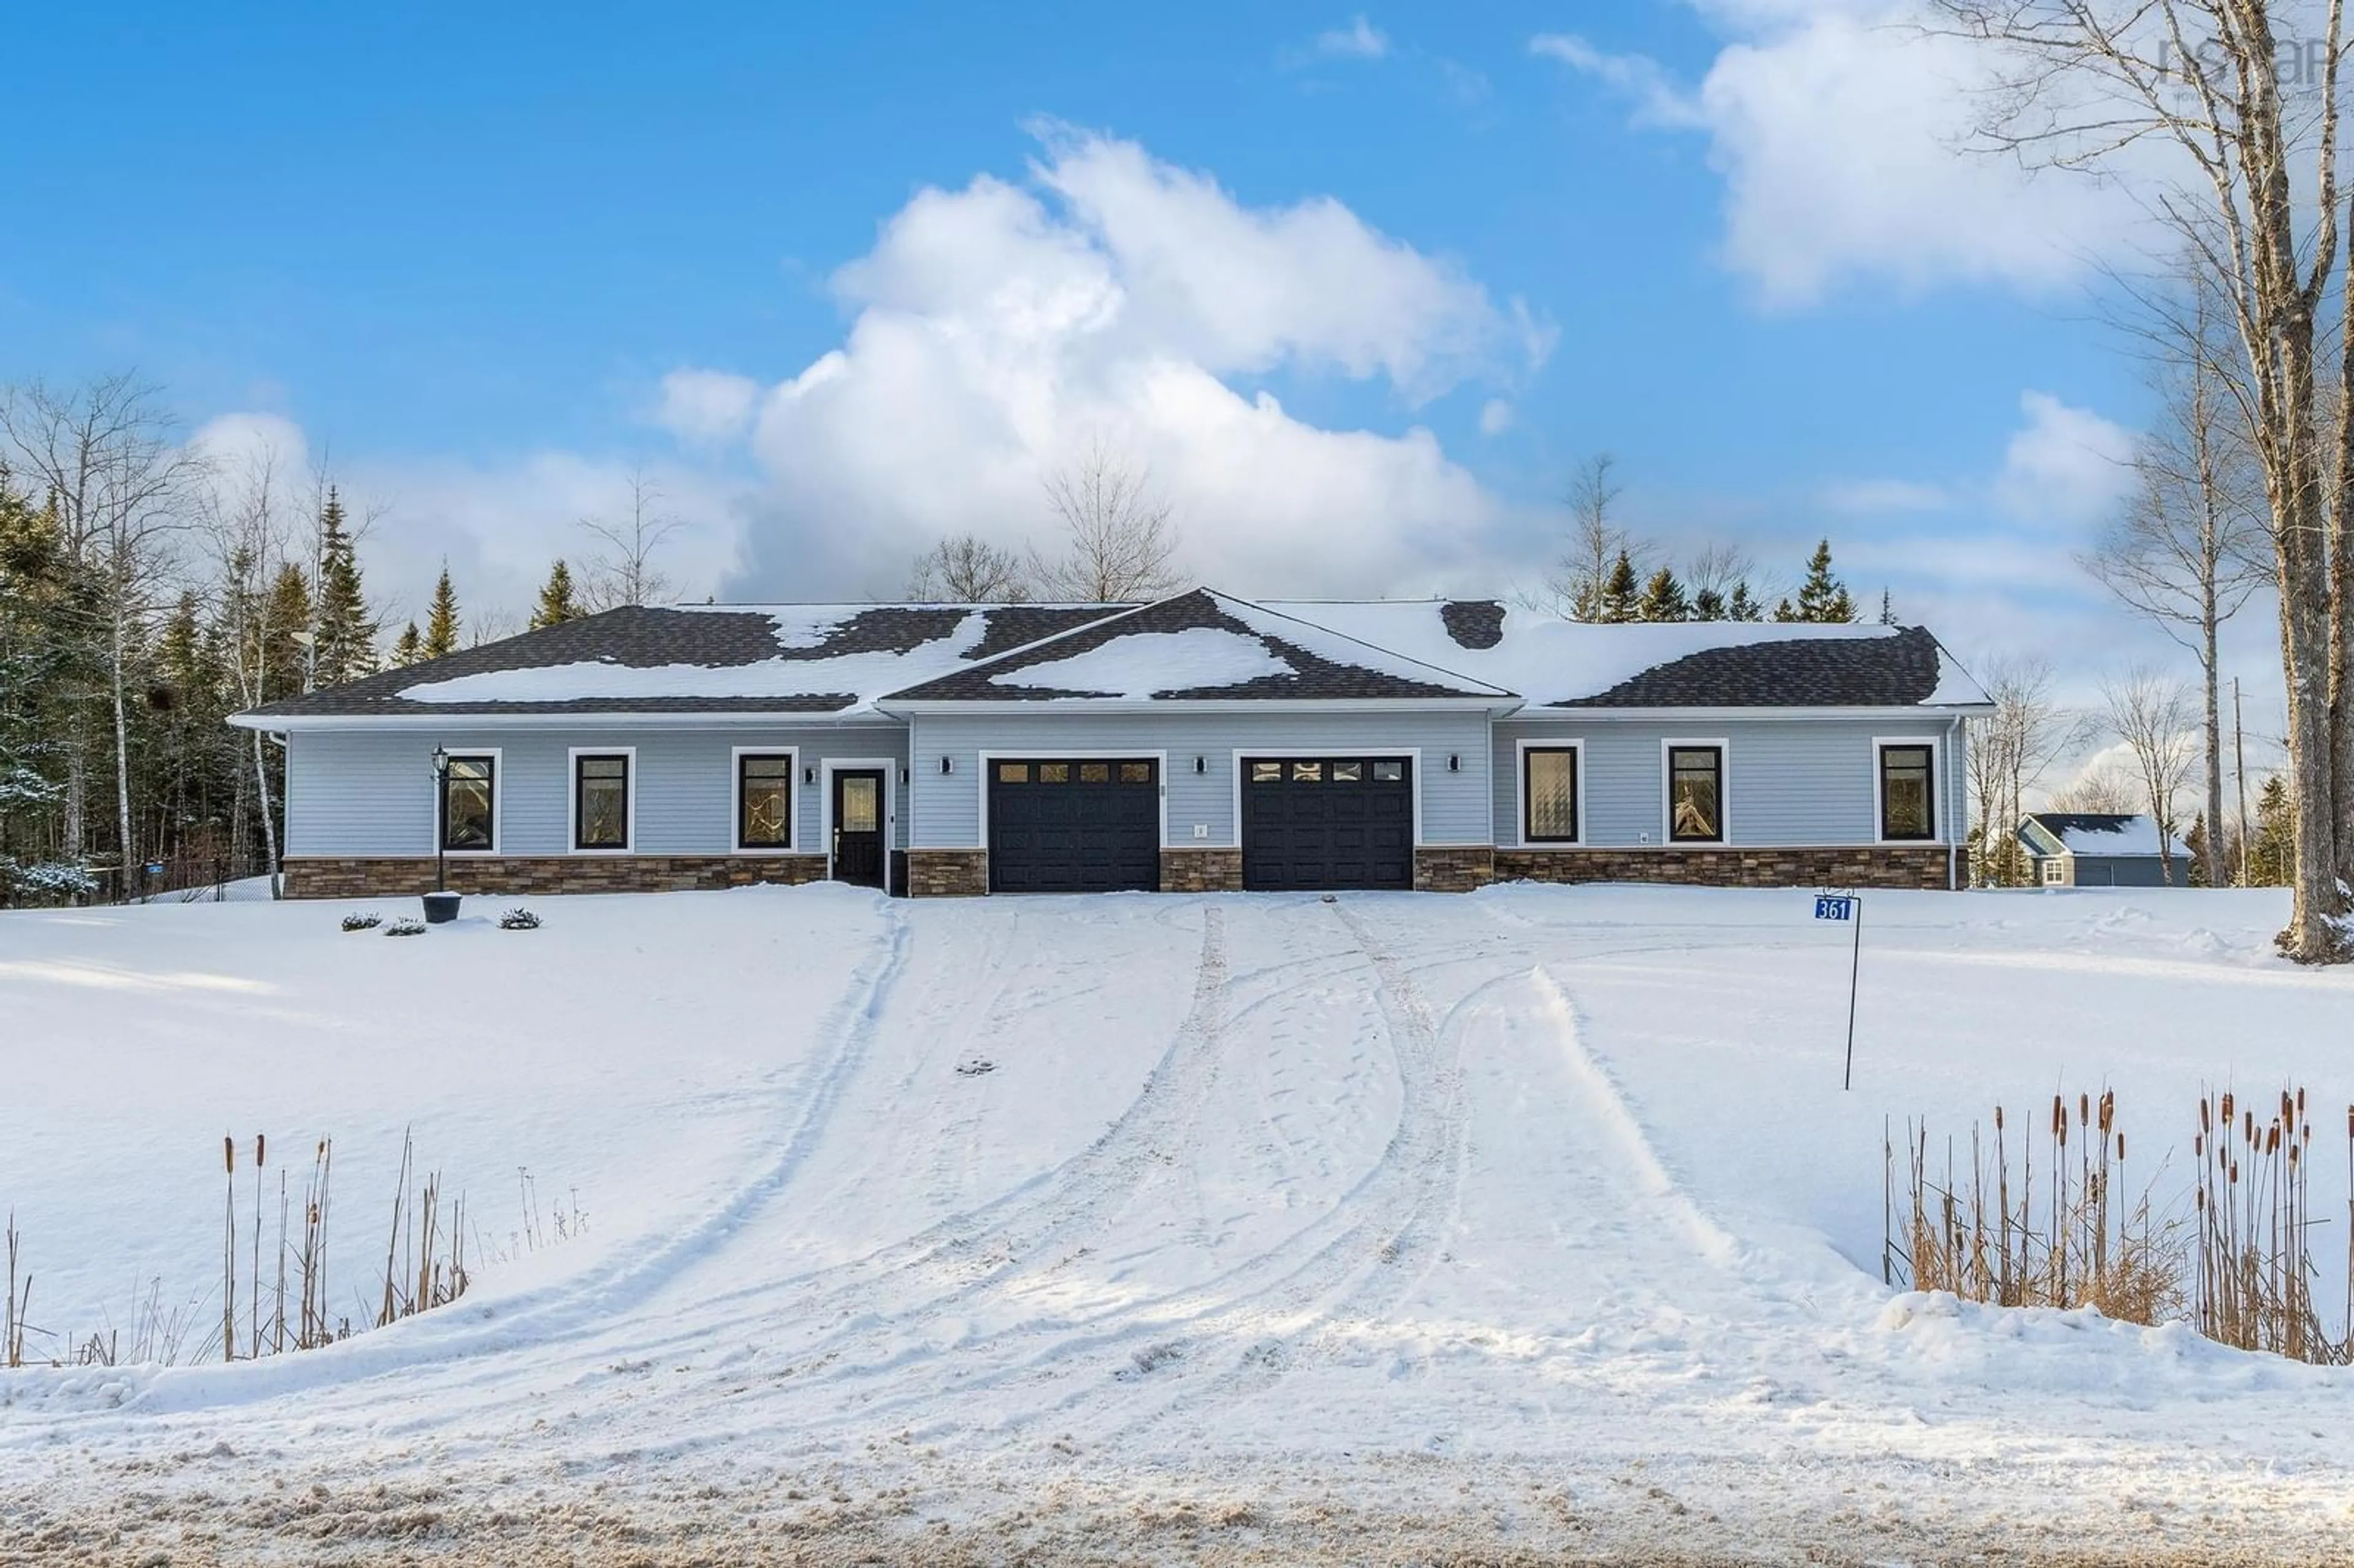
2206,1110
2121,1146
2271,1144
228,1155
2227,1108
2233,1173
260,1141
2084,1109
2108,1108
2349,1120
2248,1126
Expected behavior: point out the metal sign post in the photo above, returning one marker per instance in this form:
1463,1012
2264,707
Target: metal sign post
1848,906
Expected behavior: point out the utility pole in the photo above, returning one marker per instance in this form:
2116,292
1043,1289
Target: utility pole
2239,766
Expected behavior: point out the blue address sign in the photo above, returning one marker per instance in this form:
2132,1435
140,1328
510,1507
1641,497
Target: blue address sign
1834,907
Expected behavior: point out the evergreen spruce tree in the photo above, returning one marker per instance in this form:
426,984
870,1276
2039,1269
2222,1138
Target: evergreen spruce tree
1621,598
408,647
557,603
345,632
1742,606
285,616
2273,856
2194,843
1887,608
1663,598
1822,598
441,621
1708,604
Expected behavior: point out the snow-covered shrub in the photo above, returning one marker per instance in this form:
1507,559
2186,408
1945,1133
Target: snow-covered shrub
518,920
405,928
362,920
53,879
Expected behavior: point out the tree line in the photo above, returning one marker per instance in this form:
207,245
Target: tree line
150,589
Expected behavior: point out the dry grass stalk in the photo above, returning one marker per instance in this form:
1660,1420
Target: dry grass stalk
2254,1201
2075,1242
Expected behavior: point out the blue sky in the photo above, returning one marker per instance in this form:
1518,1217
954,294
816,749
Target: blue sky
471,257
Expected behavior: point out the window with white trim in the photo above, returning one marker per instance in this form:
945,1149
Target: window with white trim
1696,794
764,801
469,803
1549,795
1908,791
601,801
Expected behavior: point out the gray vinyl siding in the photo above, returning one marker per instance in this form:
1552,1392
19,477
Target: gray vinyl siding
1454,805
362,793
2125,871
1792,782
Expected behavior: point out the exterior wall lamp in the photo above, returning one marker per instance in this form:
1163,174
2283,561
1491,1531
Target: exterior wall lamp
440,818
948,764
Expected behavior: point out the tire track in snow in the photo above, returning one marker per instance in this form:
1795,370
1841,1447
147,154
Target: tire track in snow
434,1343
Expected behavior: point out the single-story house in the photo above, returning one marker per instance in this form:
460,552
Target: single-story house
1200,742
2102,849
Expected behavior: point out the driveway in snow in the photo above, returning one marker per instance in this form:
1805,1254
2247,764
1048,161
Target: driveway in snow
1243,1228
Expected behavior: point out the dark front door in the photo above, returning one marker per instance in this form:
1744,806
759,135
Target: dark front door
858,828
1073,825
1327,821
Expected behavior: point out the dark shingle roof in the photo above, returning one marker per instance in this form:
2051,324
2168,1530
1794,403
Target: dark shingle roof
1898,671
645,637
1473,622
1312,675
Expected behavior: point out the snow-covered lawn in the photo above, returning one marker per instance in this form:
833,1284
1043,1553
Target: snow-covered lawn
1252,1228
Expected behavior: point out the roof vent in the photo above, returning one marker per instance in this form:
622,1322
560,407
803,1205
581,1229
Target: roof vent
1473,622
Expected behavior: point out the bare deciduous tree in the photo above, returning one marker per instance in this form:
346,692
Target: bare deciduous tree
242,508
1118,545
106,455
624,571
1596,540
2080,82
2191,546
2010,752
2152,715
969,569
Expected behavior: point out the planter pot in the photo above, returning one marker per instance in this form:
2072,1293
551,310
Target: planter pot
441,907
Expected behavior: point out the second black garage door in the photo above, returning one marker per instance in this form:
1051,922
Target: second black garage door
1073,825
1317,822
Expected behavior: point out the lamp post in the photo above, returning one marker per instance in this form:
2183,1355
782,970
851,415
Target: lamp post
440,818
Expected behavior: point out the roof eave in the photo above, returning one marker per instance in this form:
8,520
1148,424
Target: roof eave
938,706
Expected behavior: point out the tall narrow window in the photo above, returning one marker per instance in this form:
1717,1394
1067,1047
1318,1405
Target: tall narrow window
765,803
1907,792
600,802
1549,795
1696,794
468,798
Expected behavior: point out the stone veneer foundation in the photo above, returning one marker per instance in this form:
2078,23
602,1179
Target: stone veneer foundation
1201,871
1867,865
946,873
373,878
1453,868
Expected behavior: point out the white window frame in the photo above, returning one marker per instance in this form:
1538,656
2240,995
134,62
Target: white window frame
988,761
572,799
1238,759
735,845
1668,749
1522,747
886,766
1937,828
2052,864
498,801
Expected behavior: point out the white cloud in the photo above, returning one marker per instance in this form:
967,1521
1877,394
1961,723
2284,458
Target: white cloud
1866,497
997,328
2067,468
706,406
1359,41
235,443
1495,417
1843,132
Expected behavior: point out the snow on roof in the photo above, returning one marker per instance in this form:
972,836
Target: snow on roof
2108,833
1553,661
1136,667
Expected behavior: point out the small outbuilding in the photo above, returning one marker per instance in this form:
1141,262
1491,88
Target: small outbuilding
2103,849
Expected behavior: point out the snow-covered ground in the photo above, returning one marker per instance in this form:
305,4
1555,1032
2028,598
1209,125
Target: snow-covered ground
1391,1227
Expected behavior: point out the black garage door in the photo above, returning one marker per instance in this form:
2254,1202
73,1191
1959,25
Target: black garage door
1073,825
1327,821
